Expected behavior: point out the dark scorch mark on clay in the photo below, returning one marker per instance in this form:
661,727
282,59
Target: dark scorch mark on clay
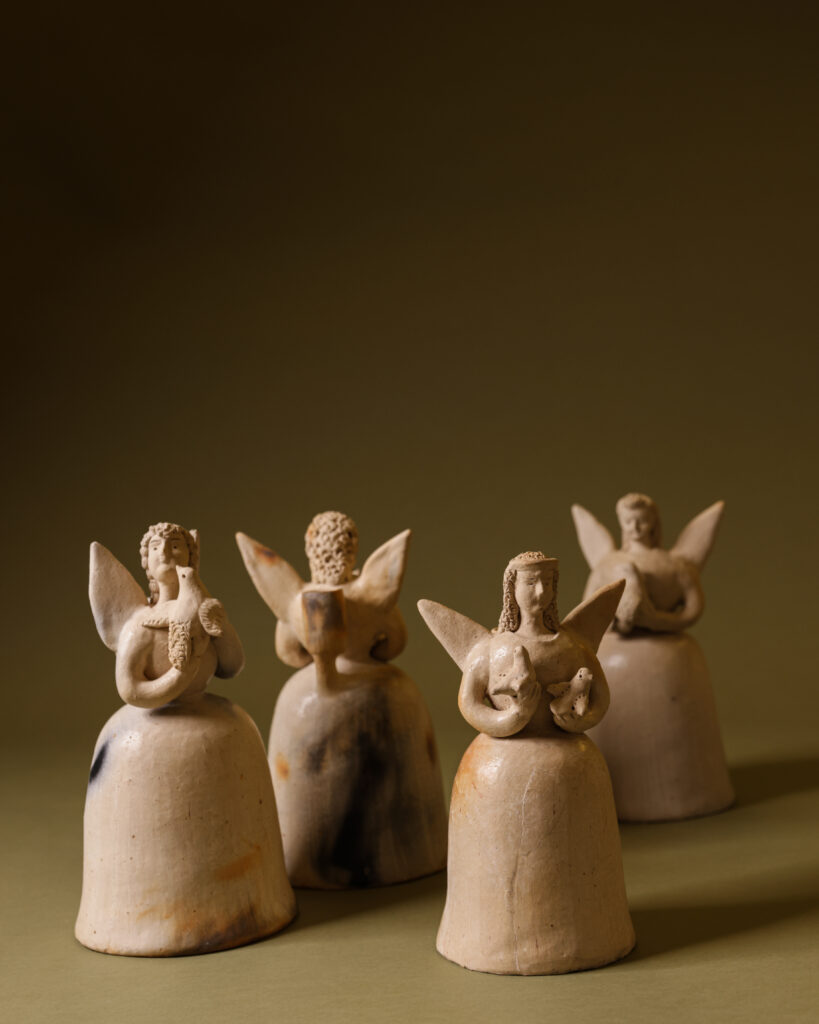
99,760
317,756
378,800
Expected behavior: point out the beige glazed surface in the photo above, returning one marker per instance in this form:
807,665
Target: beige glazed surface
535,875
661,738
182,851
352,748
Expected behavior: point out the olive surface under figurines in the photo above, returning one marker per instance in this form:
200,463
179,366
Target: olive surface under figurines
352,749
535,873
661,737
182,850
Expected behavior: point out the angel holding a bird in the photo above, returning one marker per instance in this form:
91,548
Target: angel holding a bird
535,876
182,849
661,738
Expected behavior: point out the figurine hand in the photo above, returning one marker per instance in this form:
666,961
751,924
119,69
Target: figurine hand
633,596
571,698
212,616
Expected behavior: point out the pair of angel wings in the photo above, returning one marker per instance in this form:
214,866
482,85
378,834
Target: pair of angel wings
114,594
377,585
693,544
458,634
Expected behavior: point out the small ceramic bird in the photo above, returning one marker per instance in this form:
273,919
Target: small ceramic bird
572,695
188,619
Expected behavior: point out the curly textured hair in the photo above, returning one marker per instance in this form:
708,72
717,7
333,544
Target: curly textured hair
165,530
635,500
331,543
510,613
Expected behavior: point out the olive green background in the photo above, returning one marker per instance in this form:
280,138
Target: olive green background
450,267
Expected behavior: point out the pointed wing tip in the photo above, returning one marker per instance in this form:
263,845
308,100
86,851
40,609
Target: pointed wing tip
594,538
251,548
592,617
400,540
456,633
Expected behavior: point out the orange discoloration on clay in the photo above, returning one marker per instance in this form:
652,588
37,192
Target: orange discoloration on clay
466,772
282,766
240,866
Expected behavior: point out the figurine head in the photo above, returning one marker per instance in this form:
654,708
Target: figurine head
164,548
639,521
530,582
331,543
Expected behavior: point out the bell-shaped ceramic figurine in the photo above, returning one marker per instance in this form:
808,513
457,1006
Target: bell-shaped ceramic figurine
182,850
661,737
535,873
352,749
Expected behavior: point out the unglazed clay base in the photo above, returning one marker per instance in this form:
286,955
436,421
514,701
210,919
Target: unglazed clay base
535,871
661,737
182,850
357,779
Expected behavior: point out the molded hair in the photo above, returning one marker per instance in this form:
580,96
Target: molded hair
510,613
331,543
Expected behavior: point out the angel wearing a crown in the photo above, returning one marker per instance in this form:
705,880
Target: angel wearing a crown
352,749
661,738
535,876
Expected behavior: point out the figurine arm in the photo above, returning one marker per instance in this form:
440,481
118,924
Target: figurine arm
525,693
132,683
229,652
685,615
392,639
289,648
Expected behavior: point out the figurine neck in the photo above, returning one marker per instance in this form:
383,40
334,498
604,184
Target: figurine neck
636,545
168,591
532,624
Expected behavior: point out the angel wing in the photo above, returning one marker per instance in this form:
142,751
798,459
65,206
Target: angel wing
456,633
592,617
114,594
595,540
697,538
379,582
276,580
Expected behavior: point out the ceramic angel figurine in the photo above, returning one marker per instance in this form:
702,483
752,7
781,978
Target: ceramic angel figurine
535,874
661,738
352,749
182,850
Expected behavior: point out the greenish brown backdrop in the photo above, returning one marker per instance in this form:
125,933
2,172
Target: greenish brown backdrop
447,267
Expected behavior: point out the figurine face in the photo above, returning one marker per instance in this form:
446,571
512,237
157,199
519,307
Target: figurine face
165,554
534,591
637,525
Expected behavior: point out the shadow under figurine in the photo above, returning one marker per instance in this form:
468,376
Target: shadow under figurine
535,874
182,851
352,748
661,737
